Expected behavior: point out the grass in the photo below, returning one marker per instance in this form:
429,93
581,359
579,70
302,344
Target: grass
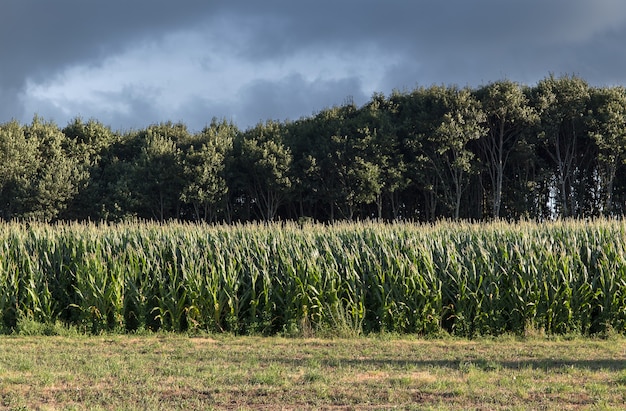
174,371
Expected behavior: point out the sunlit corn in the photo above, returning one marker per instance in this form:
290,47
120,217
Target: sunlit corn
461,278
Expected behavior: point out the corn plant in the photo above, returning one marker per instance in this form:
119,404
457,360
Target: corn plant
466,279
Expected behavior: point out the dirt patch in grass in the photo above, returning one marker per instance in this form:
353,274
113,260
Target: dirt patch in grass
368,377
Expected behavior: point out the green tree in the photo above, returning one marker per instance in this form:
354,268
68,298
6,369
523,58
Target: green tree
508,114
119,194
60,172
92,141
346,173
204,162
383,148
158,171
302,141
608,131
18,166
562,103
414,116
264,167
458,121
324,159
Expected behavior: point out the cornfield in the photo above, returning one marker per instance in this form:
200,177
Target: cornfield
465,279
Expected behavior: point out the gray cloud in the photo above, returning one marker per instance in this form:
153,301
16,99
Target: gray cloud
294,97
255,60
40,36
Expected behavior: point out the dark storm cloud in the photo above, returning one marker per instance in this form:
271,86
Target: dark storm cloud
40,38
402,44
41,35
294,97
423,26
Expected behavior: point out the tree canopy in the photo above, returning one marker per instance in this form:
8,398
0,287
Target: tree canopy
503,150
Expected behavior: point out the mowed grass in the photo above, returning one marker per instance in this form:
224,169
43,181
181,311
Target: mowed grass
174,371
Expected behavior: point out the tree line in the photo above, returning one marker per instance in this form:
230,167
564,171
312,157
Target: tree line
502,150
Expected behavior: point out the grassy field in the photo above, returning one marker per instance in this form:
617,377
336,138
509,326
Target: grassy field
173,371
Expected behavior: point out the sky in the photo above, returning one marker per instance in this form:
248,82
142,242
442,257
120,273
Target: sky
132,63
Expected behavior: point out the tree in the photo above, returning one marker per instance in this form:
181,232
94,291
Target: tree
303,140
380,119
562,103
159,170
348,171
357,178
608,131
508,114
204,162
264,167
58,175
18,166
325,159
92,141
458,121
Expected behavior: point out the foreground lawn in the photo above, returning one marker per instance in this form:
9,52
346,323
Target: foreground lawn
226,372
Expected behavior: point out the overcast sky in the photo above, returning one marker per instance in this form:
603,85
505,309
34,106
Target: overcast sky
131,63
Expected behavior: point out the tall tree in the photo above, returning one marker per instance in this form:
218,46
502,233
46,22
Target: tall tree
119,185
508,114
336,171
379,118
303,140
460,122
415,112
92,141
562,103
608,130
159,170
18,165
204,161
328,158
59,174
351,168
265,167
